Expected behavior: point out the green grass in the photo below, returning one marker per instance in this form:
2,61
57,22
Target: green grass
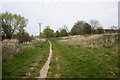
76,61
22,63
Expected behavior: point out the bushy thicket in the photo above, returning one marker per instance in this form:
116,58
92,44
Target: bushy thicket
24,37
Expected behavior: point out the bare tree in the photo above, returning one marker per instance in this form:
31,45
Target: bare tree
59,29
94,24
66,28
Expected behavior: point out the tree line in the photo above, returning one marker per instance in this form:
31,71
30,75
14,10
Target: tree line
79,28
13,27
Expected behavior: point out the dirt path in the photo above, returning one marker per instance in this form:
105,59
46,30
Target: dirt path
44,70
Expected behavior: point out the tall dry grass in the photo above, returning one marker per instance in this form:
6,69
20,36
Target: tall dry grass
77,39
11,47
92,40
9,50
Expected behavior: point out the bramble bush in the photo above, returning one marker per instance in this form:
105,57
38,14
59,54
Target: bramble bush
24,37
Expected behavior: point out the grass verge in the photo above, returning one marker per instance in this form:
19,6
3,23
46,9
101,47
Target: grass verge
28,63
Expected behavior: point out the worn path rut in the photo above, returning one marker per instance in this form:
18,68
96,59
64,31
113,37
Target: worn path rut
44,70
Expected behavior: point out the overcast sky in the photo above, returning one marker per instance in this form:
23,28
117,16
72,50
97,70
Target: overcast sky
57,13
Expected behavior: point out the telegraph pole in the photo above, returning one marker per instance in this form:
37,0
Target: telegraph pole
40,28
118,26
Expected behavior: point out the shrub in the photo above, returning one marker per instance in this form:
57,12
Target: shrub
57,34
63,32
87,29
48,33
24,37
100,30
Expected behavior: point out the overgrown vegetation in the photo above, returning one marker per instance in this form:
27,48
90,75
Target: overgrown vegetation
24,37
79,61
28,63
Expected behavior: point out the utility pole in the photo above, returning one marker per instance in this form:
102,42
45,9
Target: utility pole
118,24
40,28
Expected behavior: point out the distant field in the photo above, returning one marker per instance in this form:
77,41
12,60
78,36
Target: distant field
93,58
28,63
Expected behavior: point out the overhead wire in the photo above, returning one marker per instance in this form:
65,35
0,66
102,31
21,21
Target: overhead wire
40,11
52,9
56,3
46,10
